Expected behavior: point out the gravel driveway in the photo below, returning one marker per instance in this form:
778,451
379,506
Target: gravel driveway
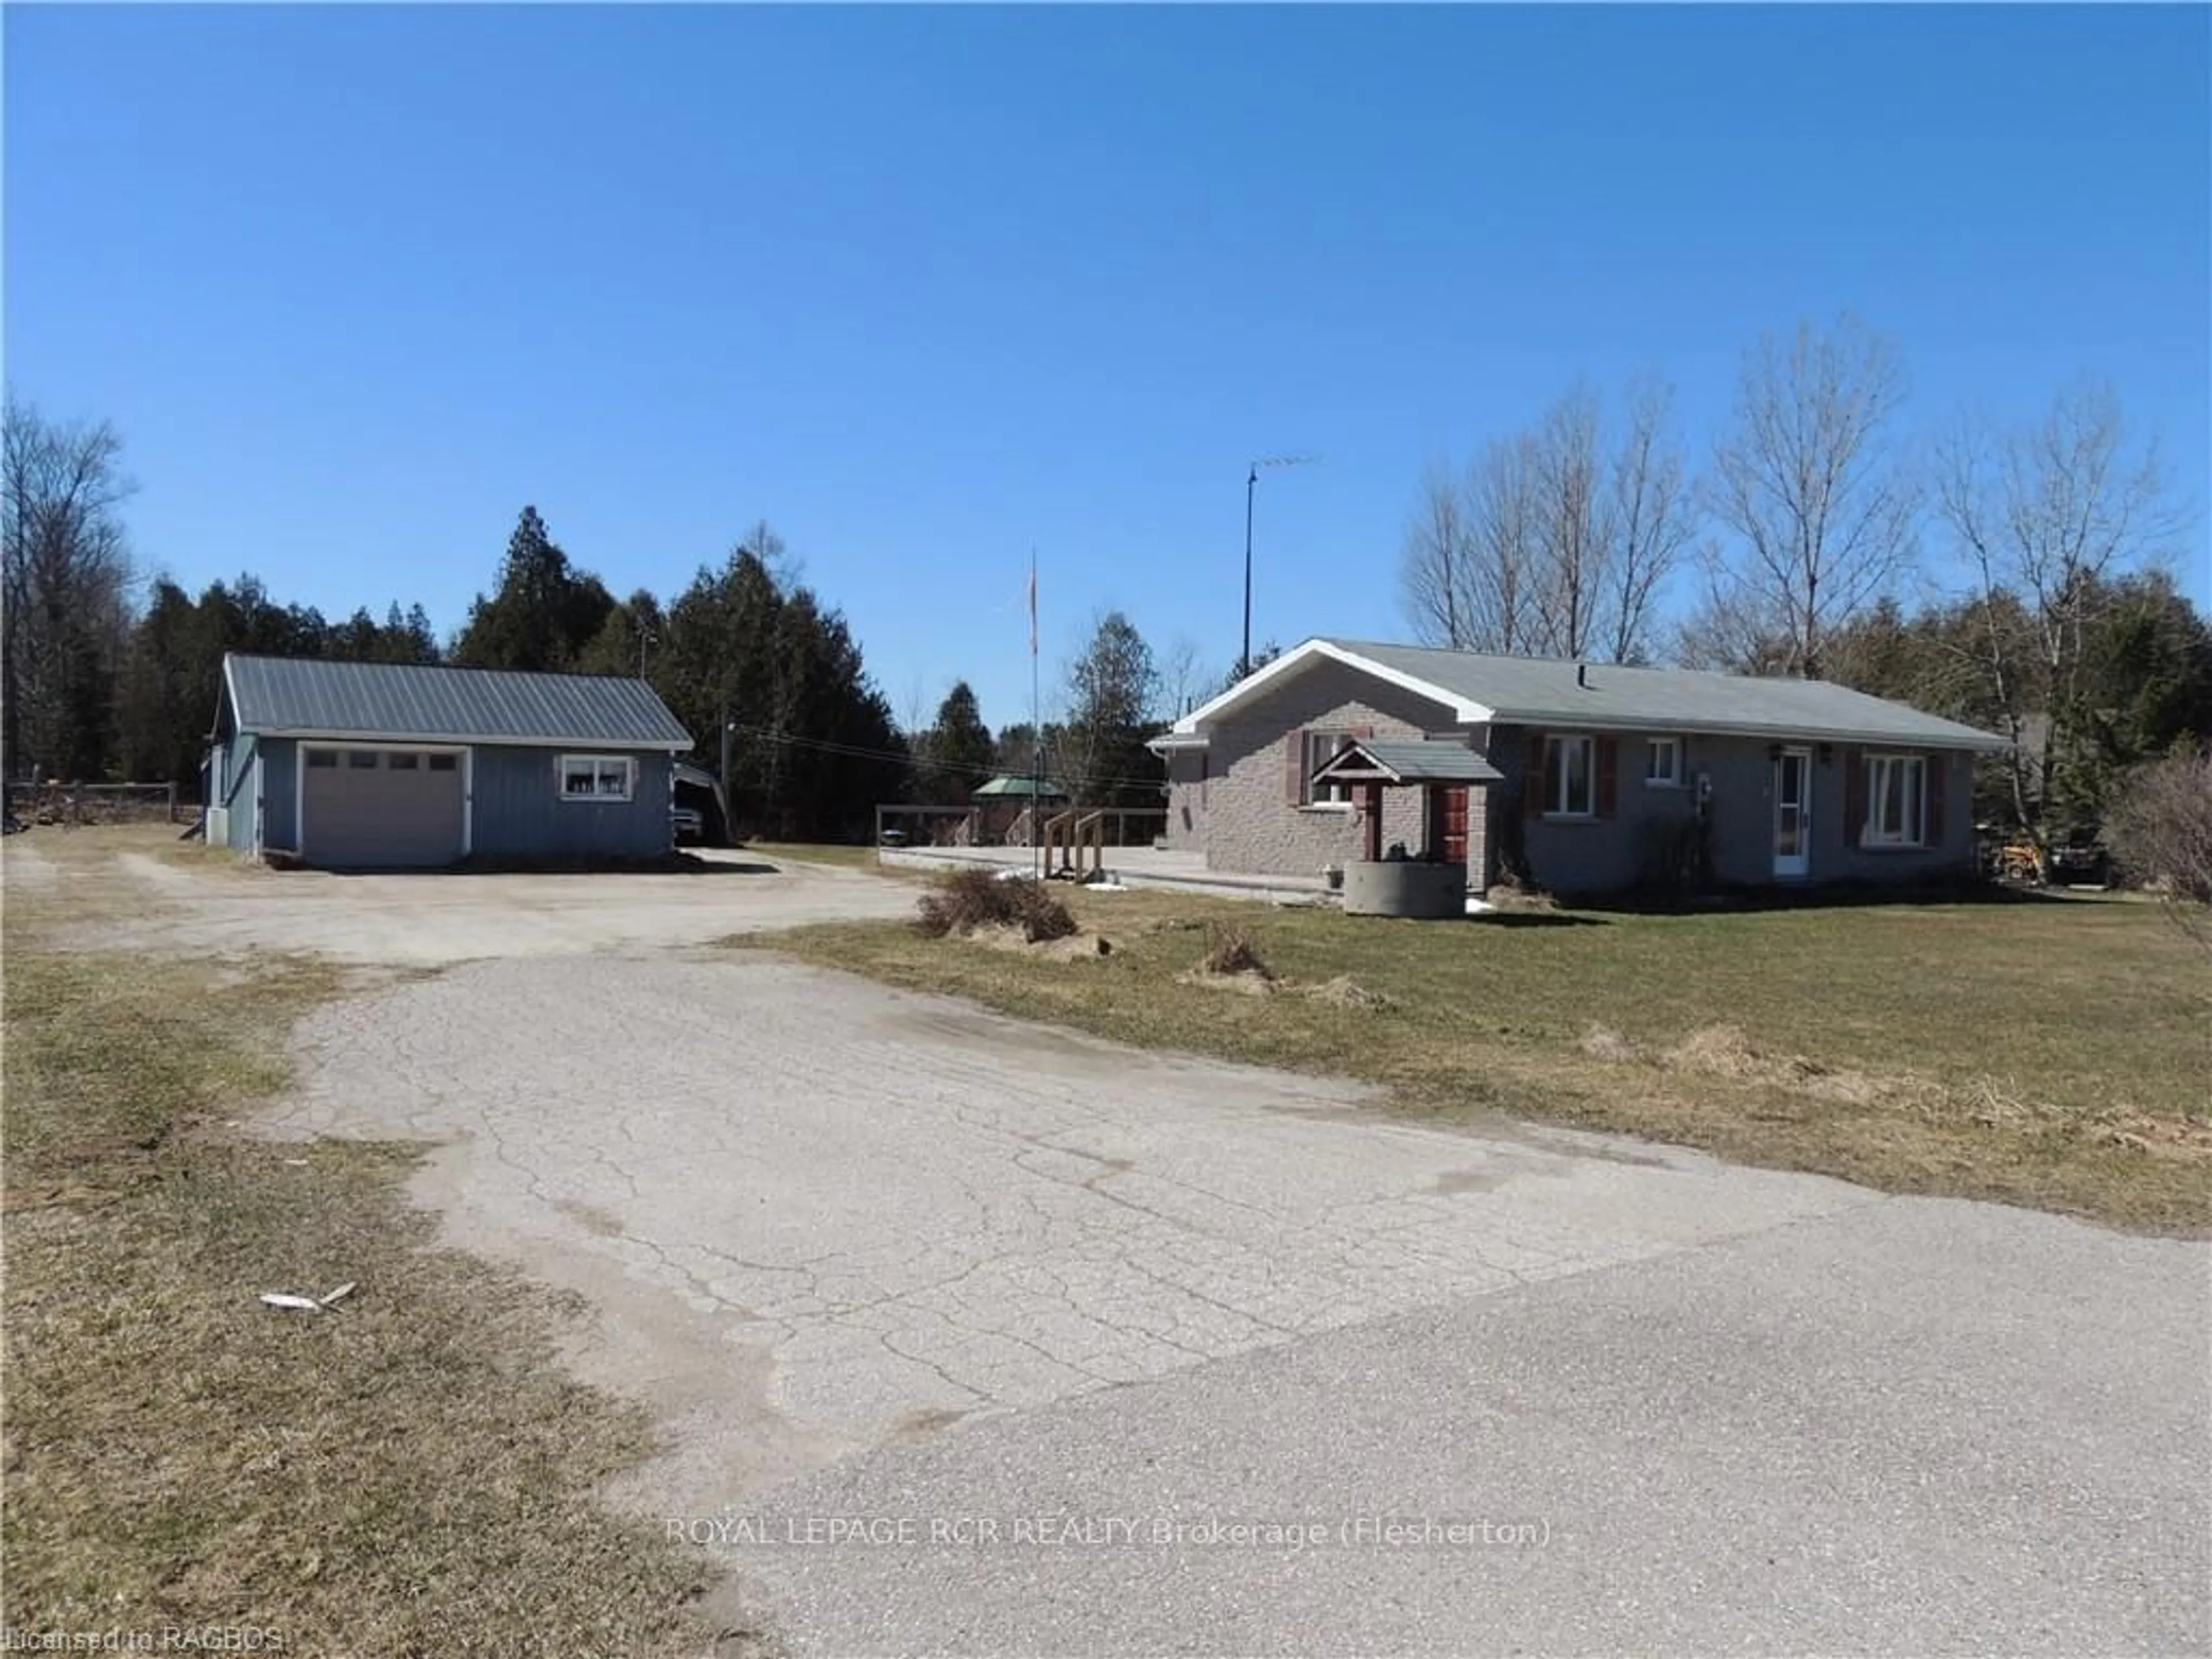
951,1320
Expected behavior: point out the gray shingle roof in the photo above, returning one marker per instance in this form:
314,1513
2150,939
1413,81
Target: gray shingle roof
1413,760
290,695
1538,691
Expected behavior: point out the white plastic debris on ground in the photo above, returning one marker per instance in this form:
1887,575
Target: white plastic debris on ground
1476,907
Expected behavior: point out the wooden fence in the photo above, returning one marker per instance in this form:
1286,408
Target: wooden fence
70,803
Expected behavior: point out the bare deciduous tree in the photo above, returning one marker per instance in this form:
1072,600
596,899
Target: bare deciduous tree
1551,542
1502,488
1575,536
1437,562
2045,515
1812,486
66,573
1184,681
1652,517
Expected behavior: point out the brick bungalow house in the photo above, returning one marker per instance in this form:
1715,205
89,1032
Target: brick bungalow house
1607,777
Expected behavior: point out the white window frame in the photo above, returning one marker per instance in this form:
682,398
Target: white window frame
602,767
1557,776
1331,797
1883,775
1671,777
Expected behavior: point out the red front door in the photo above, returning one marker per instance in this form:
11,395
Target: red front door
1455,826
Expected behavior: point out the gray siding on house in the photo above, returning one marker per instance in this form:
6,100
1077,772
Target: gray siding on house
1249,823
1233,800
1612,854
519,813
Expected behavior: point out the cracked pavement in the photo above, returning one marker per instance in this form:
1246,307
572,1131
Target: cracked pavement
883,1257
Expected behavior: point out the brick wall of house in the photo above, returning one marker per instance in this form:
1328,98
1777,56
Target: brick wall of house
1250,822
1188,788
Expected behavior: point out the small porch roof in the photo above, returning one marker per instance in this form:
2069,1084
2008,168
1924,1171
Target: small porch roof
1406,760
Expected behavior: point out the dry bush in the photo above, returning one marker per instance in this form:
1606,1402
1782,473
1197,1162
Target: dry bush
965,900
2161,834
1231,950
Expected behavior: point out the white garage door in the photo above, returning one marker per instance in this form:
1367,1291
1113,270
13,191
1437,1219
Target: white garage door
379,808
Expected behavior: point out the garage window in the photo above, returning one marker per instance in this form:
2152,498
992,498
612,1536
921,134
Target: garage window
319,758
403,762
595,777
443,763
361,760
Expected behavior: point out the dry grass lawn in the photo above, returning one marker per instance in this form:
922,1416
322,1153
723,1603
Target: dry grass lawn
2050,1052
408,1473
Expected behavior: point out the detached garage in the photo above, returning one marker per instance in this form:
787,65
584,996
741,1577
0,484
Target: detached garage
361,766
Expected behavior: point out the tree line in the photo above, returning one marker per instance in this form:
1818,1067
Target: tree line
2005,574
104,681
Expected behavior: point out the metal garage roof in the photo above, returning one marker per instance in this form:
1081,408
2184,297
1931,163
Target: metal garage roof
295,697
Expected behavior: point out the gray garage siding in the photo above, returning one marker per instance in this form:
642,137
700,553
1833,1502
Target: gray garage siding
280,793
236,757
519,813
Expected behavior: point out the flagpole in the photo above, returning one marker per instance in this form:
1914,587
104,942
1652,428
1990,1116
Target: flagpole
1036,737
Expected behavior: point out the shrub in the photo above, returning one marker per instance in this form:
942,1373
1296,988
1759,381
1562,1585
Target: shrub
2161,834
1230,949
965,900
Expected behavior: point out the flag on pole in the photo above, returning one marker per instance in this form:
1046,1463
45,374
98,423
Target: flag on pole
1033,642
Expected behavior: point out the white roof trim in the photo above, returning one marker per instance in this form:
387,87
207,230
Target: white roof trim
1300,657
1170,740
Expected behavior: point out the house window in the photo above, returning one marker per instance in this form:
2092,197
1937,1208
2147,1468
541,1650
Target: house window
360,760
1568,778
1321,748
1896,801
443,763
596,777
1663,763
319,759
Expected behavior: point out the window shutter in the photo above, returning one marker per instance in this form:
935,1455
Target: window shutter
1932,776
1855,796
1534,787
1294,767
1608,775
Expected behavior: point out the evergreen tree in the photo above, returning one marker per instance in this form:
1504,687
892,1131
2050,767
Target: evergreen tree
541,614
956,753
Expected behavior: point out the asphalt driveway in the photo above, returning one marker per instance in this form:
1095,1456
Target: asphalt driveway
971,1337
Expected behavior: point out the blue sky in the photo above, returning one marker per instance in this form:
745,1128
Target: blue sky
925,287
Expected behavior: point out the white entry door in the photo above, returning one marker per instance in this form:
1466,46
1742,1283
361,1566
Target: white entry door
1793,807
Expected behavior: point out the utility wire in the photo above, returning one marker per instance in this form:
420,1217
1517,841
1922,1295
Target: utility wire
857,751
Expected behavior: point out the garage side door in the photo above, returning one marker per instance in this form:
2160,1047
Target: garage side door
379,808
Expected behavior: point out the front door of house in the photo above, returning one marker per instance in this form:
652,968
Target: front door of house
1454,837
1793,802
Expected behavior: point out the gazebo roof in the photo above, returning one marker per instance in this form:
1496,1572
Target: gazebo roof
1406,760
1021,788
